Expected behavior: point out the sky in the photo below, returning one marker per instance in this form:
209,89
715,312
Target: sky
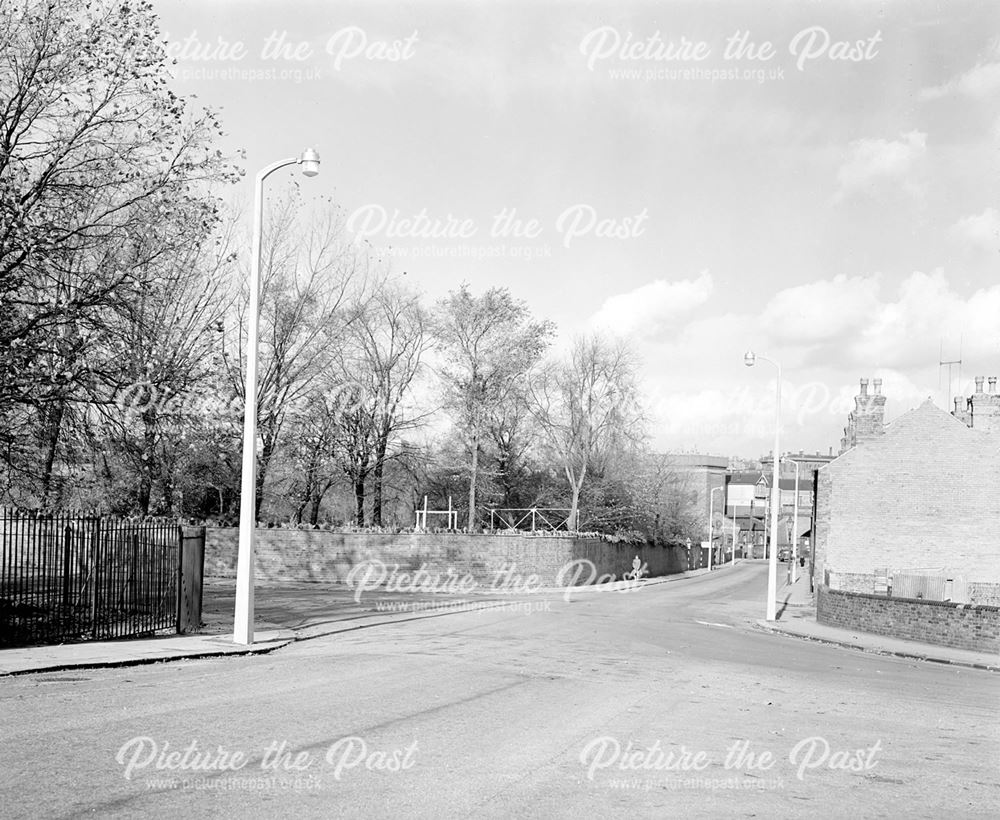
815,181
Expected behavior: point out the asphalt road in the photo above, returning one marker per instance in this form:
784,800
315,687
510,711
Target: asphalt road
662,702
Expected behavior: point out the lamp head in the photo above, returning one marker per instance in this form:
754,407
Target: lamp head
309,162
749,358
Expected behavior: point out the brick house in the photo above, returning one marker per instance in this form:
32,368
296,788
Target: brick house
913,506
750,513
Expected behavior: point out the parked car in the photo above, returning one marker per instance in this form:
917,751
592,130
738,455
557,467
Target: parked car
785,554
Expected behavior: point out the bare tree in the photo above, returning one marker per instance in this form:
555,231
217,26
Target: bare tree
390,337
360,408
588,407
310,275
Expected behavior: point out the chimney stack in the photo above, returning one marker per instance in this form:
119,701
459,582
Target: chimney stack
983,411
868,419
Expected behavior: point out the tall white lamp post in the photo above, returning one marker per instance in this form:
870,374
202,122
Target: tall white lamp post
711,525
243,618
750,359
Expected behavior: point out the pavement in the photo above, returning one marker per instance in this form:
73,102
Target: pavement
796,616
284,614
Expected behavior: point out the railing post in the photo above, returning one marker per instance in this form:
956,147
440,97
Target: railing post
67,564
180,576
94,564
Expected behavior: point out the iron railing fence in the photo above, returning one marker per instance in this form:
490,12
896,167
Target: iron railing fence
530,519
69,576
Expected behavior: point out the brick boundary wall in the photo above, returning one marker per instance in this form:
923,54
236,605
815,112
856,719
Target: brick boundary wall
943,623
979,593
863,582
323,556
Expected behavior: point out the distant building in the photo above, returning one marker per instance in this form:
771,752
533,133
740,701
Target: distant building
808,462
701,474
748,505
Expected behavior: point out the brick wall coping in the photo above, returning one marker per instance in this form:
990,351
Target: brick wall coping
590,536
952,604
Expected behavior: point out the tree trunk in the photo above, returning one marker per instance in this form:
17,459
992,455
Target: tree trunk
379,471
314,508
573,521
473,475
52,418
359,499
576,485
266,451
308,492
167,483
147,459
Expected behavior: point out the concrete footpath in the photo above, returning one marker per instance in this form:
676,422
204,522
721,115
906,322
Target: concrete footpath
796,616
299,612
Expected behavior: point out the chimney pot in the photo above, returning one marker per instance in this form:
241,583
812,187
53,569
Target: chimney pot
958,405
979,384
864,387
993,384
878,386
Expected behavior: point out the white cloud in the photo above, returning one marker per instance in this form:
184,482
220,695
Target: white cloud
873,161
822,311
907,331
826,335
645,310
980,81
981,230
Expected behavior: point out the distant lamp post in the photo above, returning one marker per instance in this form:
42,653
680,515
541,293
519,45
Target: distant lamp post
243,618
795,522
750,359
760,493
711,524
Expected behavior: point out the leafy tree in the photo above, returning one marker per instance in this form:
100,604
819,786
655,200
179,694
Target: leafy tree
488,344
98,161
92,145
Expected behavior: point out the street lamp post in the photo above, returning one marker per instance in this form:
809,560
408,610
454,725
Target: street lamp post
732,556
750,359
795,521
711,525
243,616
